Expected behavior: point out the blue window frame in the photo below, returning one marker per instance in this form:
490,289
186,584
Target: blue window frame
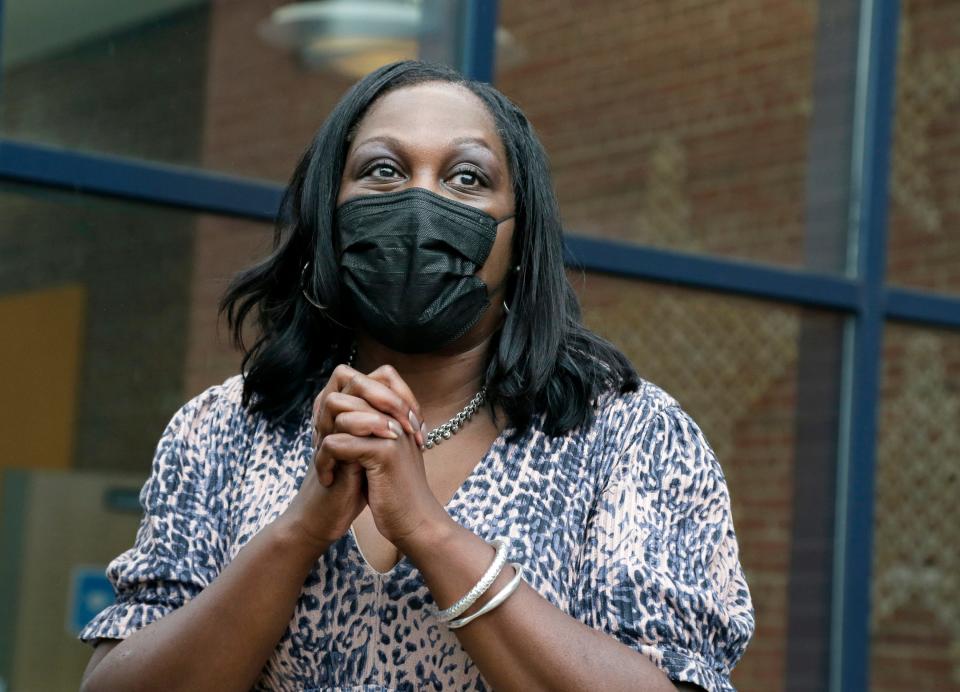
866,298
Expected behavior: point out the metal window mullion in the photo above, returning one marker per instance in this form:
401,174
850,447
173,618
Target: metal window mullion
922,307
723,275
147,181
478,48
2,62
870,171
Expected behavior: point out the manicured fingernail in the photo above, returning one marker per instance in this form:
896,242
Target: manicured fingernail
395,429
413,420
423,428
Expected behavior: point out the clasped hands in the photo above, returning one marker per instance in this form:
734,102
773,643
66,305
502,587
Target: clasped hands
368,436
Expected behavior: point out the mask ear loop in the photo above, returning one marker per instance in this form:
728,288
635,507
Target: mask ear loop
319,306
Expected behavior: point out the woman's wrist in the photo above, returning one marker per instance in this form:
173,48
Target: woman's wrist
294,537
433,535
452,559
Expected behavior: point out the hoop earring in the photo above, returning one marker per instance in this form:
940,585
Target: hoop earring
506,308
319,306
303,289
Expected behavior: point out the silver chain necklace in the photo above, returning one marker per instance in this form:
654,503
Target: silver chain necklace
446,430
452,426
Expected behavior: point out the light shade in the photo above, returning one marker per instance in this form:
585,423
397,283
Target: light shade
350,37
354,37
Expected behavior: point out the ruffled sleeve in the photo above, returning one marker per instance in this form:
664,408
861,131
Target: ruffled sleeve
660,568
181,543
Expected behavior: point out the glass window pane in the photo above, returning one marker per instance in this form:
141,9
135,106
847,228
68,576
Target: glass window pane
236,85
915,616
134,291
762,381
721,129
924,239
110,313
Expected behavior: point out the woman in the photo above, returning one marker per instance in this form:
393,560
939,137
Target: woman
313,524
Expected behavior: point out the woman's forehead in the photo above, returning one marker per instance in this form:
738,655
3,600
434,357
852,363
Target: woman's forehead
432,112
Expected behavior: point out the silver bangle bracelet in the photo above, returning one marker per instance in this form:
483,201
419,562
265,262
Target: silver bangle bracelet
503,595
486,581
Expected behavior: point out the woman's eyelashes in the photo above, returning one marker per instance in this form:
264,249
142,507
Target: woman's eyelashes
469,177
463,176
380,171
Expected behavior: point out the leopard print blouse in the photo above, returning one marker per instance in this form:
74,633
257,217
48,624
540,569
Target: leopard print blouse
624,525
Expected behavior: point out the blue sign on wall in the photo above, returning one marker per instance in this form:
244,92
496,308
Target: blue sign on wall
90,592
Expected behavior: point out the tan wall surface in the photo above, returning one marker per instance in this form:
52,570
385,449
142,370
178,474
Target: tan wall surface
40,353
66,524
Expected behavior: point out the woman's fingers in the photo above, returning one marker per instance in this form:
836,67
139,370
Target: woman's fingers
344,412
379,395
330,405
367,423
326,408
346,448
329,472
388,375
326,469
324,465
385,405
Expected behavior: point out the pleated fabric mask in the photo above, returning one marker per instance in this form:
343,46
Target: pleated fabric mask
408,261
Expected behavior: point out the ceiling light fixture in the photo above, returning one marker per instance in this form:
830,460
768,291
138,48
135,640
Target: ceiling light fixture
354,37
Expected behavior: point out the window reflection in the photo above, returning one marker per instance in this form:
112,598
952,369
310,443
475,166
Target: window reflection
233,85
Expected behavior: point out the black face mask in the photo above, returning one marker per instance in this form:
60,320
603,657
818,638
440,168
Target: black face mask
408,261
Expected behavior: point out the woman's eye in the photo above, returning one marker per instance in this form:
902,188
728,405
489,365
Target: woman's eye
466,178
382,170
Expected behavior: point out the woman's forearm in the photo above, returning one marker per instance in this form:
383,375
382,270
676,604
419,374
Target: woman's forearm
221,639
526,643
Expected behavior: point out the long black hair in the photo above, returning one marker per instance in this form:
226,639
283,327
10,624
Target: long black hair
544,360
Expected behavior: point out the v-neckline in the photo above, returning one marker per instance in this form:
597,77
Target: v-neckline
449,507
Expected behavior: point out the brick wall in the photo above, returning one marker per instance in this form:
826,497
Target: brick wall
681,124
915,590
924,231
262,108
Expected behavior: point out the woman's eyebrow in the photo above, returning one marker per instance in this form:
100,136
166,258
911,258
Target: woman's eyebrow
473,141
381,139
459,141
395,143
